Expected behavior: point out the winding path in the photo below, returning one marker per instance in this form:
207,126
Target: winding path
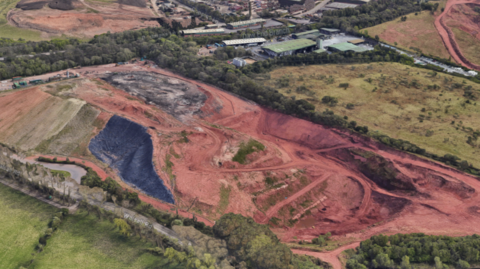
331,257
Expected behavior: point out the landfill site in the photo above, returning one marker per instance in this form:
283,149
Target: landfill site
174,141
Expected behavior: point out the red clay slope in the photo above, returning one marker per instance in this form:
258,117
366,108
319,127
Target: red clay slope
449,38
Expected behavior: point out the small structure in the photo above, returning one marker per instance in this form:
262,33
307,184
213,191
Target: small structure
35,81
20,84
312,35
203,32
356,41
319,51
239,62
290,47
345,46
243,42
16,78
245,24
329,31
338,5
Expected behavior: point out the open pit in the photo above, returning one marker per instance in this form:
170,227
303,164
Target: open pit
127,147
308,181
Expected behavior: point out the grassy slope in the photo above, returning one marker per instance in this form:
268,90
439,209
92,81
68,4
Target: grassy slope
9,31
469,45
85,242
394,110
81,241
417,31
22,220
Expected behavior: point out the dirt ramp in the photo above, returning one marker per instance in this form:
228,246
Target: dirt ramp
302,132
127,147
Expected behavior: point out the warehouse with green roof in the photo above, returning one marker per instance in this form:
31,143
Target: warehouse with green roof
290,47
345,46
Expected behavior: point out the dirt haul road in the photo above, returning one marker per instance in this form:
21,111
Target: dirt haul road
371,189
449,38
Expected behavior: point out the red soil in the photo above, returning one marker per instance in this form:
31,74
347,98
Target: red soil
441,202
447,35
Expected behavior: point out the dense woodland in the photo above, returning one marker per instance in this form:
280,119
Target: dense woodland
405,250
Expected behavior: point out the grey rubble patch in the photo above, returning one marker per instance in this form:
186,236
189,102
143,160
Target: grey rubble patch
177,98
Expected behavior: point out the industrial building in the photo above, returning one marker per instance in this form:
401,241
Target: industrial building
329,31
290,47
245,24
356,41
345,46
312,35
245,42
203,32
338,5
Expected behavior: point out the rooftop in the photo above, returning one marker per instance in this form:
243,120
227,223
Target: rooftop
203,31
290,45
244,41
308,32
356,41
246,22
345,46
331,30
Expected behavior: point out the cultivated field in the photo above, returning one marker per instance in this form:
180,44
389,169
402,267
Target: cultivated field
397,100
417,32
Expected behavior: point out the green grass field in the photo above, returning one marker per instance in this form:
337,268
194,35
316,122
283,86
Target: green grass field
418,31
22,220
81,241
396,100
9,31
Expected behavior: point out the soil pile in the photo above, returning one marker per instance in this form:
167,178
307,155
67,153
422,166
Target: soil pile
135,3
127,147
173,96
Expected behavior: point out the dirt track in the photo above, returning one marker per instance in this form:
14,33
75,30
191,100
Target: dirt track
449,38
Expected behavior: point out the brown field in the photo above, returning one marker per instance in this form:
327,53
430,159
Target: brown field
418,32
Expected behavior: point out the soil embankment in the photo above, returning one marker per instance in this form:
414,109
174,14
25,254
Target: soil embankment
127,147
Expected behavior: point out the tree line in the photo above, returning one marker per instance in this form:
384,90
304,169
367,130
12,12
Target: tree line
370,14
404,250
